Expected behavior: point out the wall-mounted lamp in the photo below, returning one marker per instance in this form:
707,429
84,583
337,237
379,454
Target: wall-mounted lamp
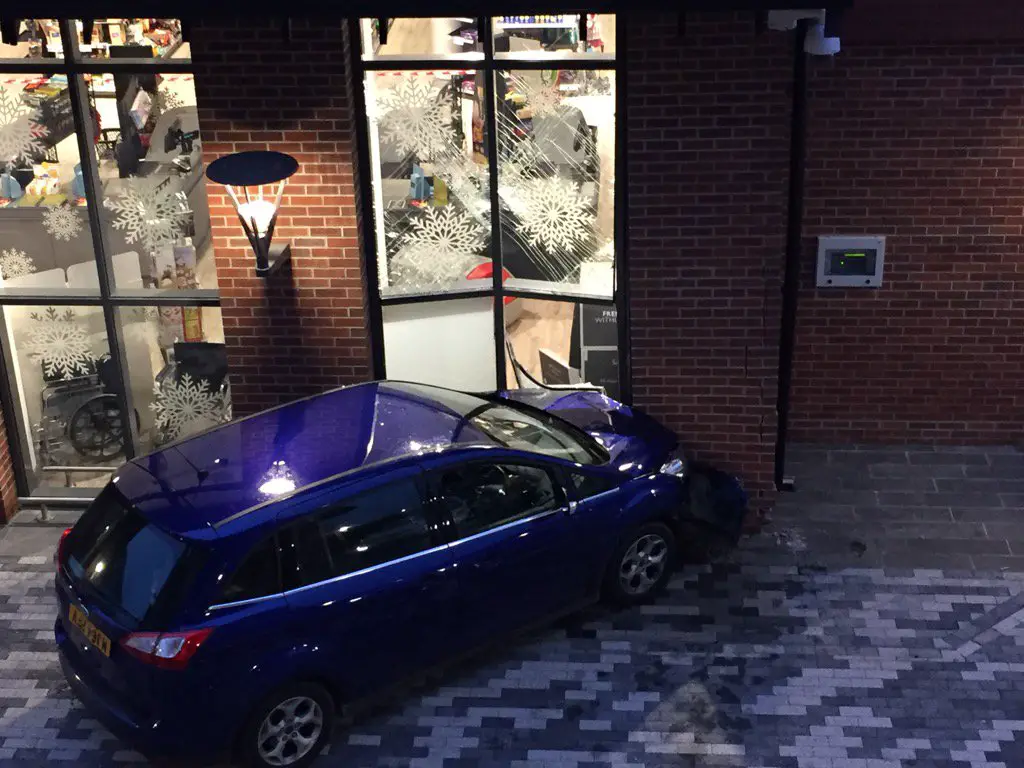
252,171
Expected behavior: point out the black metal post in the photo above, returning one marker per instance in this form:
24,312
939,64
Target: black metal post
621,217
497,262
794,231
370,256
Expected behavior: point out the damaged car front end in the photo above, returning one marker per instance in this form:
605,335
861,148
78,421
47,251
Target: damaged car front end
714,506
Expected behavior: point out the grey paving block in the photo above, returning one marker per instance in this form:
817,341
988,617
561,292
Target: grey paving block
895,529
999,468
915,558
941,546
962,457
919,471
867,456
994,485
954,499
897,514
1001,515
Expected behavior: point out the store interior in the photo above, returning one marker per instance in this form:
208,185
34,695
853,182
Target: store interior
156,227
432,208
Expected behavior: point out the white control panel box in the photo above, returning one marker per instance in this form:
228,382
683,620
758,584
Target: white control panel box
850,261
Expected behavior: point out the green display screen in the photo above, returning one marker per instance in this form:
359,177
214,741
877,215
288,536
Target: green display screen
860,263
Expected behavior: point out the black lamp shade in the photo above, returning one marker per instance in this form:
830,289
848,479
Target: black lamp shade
252,169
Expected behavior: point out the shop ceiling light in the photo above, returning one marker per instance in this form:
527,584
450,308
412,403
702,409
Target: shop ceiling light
250,172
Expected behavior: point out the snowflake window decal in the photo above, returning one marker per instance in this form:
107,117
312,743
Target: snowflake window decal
187,406
468,181
21,128
441,246
15,263
149,213
61,222
519,168
541,100
413,118
553,213
60,343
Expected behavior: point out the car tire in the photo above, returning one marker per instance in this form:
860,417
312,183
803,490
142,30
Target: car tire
289,728
641,565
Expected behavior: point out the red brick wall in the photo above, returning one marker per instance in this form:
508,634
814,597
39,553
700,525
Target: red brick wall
707,135
8,492
921,141
304,330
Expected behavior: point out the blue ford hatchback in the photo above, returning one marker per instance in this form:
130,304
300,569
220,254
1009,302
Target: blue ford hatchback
235,590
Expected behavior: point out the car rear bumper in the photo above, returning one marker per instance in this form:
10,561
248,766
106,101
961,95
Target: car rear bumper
180,737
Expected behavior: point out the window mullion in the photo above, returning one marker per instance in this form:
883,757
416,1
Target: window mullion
620,232
371,257
497,269
94,197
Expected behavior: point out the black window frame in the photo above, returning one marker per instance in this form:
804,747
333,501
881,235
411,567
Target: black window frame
108,297
323,514
491,66
309,522
220,599
613,483
306,525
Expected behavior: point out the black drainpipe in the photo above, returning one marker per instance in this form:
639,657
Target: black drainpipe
794,227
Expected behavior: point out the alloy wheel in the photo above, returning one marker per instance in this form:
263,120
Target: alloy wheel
643,564
289,731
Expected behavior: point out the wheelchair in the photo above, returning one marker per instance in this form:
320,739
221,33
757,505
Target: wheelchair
84,412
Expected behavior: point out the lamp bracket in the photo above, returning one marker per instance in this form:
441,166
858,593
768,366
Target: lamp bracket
278,255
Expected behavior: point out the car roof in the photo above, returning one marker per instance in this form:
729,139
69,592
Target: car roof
201,483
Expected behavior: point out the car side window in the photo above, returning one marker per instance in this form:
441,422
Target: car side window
586,484
304,559
257,576
482,496
375,527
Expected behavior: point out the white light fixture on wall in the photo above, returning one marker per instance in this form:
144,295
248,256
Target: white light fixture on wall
816,43
251,171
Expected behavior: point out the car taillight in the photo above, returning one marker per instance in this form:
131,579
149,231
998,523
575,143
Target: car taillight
58,556
166,650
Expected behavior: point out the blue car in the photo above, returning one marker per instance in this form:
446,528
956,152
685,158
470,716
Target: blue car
232,592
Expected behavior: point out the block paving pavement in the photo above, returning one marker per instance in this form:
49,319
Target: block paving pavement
805,648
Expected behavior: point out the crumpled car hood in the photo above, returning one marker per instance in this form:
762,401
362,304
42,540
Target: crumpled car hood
637,443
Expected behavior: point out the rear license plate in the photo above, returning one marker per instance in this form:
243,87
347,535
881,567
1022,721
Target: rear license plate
88,629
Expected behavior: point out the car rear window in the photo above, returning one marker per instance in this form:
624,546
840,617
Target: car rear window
114,553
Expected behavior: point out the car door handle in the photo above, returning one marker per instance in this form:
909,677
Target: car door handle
571,508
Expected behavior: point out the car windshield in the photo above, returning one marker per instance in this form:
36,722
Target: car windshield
538,432
513,425
114,553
